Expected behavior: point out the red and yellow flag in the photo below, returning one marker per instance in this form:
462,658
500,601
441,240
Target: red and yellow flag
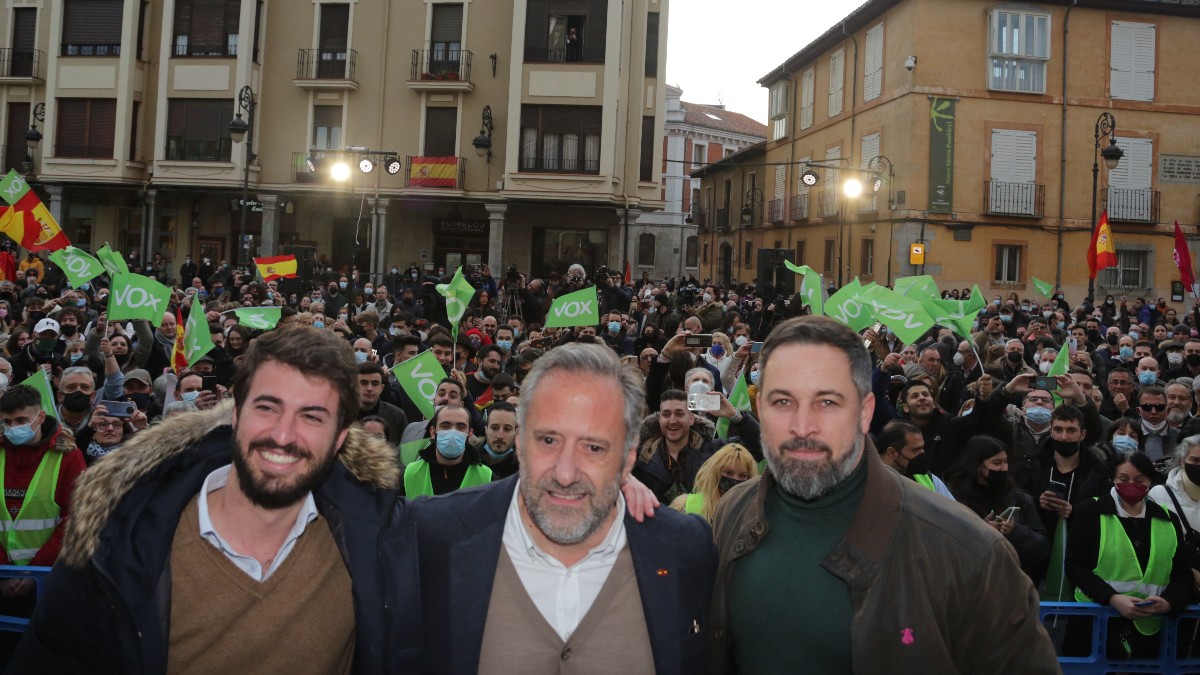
277,267
433,172
1102,253
179,355
28,222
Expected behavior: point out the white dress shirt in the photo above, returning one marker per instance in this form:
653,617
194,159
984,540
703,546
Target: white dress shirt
562,594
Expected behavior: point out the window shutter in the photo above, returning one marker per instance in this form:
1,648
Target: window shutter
1132,61
870,148
806,98
801,167
1121,61
102,128
207,27
837,73
780,182
440,132
24,29
595,31
536,13
92,22
1143,62
447,24
1024,166
1135,170
335,27
873,77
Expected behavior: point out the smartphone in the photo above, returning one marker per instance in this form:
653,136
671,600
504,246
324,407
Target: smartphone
1046,382
209,383
755,347
875,328
119,408
1143,603
1059,489
1074,345
704,402
703,340
1008,513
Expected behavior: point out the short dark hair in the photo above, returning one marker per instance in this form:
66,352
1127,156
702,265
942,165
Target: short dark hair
438,413
313,351
462,391
441,341
503,380
1139,461
820,330
908,386
894,434
1068,413
673,395
484,351
368,368
18,397
401,341
1153,390
500,406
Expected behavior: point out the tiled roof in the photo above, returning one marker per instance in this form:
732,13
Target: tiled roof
711,117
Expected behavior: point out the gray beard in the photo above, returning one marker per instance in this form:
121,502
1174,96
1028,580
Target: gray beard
811,480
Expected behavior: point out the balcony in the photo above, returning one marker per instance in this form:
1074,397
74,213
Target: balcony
326,69
775,211
555,164
830,202
75,49
184,47
799,211
1014,199
722,221
440,173
21,65
199,150
698,217
1131,206
866,203
440,70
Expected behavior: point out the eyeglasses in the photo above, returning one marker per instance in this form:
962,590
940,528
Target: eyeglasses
108,425
1156,407
1038,399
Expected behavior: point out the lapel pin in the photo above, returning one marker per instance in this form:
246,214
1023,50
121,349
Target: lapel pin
695,627
662,572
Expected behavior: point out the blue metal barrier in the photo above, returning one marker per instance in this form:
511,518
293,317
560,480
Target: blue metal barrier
18,624
1097,662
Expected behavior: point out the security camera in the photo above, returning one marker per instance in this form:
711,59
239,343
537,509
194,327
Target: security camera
910,63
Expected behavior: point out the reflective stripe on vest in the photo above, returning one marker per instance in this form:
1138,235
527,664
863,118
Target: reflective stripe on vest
417,482
925,480
1117,563
694,504
39,514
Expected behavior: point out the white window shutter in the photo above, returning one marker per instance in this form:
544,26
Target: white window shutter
1143,62
831,175
1132,61
1135,170
870,148
873,77
1024,166
1002,155
806,100
802,166
837,73
1121,61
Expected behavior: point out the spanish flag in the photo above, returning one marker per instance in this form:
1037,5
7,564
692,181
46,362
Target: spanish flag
179,355
26,219
433,172
1102,254
280,266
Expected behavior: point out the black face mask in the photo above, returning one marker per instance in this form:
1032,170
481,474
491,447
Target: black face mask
726,483
76,402
1192,471
1193,360
1093,335
69,330
1064,448
1014,357
1112,339
997,479
142,401
918,465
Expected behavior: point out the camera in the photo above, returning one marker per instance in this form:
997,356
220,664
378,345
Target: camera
602,272
511,276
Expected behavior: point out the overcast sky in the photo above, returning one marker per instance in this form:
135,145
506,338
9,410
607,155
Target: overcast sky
717,49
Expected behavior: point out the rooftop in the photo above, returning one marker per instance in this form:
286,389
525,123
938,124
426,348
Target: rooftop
720,119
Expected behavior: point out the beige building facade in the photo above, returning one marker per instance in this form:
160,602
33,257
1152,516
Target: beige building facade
515,133
979,120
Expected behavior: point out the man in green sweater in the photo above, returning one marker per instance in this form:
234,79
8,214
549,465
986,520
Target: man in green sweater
830,563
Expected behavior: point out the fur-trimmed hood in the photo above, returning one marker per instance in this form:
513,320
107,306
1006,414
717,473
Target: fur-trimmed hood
703,430
100,489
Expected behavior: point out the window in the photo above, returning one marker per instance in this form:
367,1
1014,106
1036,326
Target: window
1131,68
565,30
445,38
92,27
866,257
133,130
830,247
646,170
800,253
699,155
1134,270
706,254
689,257
560,138
645,252
206,27
748,258
1019,45
1012,189
806,98
837,77
197,129
873,75
24,39
1130,197
15,148
652,44
333,41
327,127
779,110
867,202
441,132
727,151
1008,264
86,128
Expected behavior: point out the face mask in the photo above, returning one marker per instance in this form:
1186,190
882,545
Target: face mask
1192,471
717,351
342,285
959,359
997,479
451,444
343,317
360,357
1038,415
1112,339
1006,318
740,341
1024,308
996,302
1126,352
1014,357
1047,315
75,358
614,327
81,302
491,453
414,275
506,345
707,297
188,261
77,402
1064,448
699,388
393,331
46,345
1147,378
1124,444
725,484
423,334
368,290
190,396
754,377
1134,335
918,465
652,310
142,401
1044,366
395,270
475,342
318,324
1174,358
1132,492
19,434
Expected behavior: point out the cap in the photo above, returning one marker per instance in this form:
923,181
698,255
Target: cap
204,357
45,325
529,355
139,374
1182,328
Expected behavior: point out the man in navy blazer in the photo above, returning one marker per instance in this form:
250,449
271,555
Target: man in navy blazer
545,571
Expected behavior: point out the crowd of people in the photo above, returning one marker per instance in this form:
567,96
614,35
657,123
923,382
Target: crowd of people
170,499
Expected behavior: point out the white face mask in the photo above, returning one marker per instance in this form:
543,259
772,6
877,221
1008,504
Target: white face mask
959,359
740,341
1044,366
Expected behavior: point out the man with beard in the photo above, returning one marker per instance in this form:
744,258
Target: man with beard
491,358
248,534
831,563
448,462
499,446
902,440
540,572
1179,404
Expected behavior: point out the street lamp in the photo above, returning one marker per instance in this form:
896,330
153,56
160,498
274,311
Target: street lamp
33,136
1106,125
243,130
483,142
754,198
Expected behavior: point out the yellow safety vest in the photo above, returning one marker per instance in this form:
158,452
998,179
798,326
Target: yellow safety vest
694,504
1117,563
23,537
417,482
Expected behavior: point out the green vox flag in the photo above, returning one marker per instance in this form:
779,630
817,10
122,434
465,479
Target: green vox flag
580,308
261,318
957,315
41,381
197,341
409,450
79,267
458,294
419,376
906,317
113,263
1044,288
810,287
919,288
134,296
739,398
844,306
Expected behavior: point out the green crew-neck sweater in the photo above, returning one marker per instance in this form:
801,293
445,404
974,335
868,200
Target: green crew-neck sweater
789,614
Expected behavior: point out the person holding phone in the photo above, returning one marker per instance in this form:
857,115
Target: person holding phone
1125,550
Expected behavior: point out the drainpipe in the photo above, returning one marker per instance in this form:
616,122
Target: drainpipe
1062,172
849,154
